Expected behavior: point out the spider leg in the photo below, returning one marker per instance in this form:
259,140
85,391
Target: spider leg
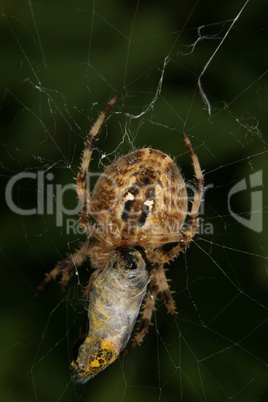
198,191
157,254
82,192
66,268
163,288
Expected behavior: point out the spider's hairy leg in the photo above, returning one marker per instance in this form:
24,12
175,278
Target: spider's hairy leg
163,288
66,268
86,156
159,255
198,191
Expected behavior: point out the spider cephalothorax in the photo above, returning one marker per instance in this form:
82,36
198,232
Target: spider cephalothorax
139,204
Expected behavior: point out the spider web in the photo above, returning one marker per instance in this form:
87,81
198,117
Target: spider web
197,68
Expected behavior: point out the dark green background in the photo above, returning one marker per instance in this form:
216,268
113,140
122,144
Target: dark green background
60,64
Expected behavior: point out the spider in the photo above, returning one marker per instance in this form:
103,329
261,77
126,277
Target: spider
140,205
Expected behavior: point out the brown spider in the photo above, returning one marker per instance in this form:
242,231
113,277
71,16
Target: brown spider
140,204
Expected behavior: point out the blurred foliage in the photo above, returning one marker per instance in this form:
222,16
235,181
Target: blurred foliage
61,62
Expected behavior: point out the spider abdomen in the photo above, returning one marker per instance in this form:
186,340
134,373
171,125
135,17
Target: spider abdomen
142,192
